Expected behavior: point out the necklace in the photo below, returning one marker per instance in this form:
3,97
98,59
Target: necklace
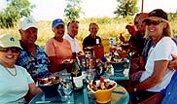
12,74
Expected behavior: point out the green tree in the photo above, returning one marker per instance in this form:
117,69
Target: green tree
126,8
14,11
73,9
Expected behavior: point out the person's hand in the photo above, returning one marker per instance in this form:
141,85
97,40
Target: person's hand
136,76
121,38
173,63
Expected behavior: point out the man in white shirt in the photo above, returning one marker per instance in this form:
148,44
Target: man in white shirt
72,29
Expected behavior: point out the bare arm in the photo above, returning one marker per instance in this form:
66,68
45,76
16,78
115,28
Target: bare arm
34,90
156,77
155,99
173,64
142,62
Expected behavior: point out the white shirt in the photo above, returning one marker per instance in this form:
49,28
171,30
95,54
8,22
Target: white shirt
14,88
74,43
162,51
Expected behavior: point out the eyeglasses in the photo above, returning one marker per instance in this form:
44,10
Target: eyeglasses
151,22
13,49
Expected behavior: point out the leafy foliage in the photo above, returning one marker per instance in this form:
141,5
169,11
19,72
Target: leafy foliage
14,11
73,9
111,27
172,16
126,8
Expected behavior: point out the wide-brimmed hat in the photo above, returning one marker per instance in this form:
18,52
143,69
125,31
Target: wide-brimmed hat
157,14
7,40
57,22
27,22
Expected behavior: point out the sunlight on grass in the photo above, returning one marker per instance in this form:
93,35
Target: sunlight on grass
109,27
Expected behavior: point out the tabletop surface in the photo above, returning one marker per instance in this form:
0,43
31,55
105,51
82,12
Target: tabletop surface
83,96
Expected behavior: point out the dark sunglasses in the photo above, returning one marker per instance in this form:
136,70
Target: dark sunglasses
13,49
151,22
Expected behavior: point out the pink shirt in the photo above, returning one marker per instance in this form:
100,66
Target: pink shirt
60,49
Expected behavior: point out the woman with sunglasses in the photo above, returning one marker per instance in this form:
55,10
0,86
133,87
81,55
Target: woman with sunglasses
156,75
15,81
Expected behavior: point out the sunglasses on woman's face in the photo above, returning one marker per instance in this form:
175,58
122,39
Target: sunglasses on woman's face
13,49
152,22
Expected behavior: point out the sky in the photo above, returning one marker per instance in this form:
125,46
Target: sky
52,9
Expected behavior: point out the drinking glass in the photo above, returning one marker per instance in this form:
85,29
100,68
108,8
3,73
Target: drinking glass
66,77
67,89
90,74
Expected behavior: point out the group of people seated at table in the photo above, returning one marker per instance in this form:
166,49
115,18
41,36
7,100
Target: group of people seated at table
152,81
23,62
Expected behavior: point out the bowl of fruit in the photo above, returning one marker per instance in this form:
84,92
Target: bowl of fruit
102,89
49,85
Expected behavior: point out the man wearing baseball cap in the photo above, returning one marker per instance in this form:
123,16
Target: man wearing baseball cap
32,57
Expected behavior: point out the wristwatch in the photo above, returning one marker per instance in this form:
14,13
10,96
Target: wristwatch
134,89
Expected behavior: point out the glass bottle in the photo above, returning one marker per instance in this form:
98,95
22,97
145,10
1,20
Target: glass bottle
76,66
76,74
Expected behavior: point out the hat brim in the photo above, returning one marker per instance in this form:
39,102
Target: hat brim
27,27
9,45
154,18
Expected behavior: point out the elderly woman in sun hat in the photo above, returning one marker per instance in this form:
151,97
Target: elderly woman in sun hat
15,80
156,75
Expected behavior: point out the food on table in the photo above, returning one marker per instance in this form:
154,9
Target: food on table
103,85
49,81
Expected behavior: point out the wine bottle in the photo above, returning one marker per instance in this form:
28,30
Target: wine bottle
76,74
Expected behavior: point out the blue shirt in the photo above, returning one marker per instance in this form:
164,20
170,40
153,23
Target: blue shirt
170,93
36,66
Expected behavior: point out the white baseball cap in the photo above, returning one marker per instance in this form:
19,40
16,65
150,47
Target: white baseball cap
27,22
